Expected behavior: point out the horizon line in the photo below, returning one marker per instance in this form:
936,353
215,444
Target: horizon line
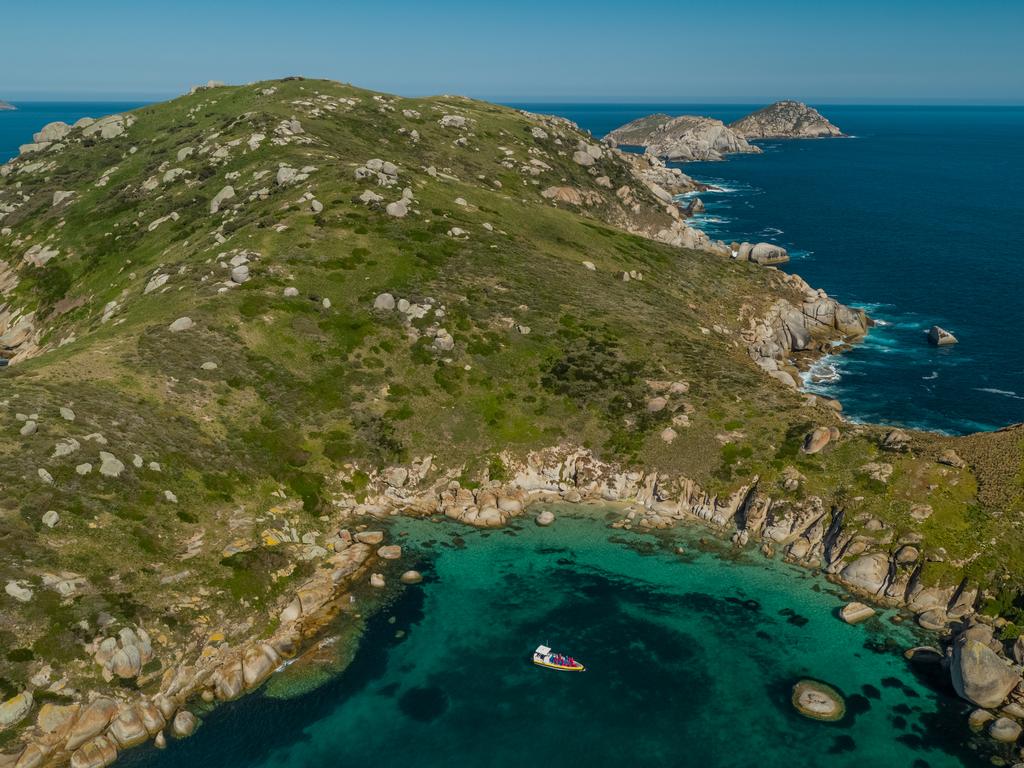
147,99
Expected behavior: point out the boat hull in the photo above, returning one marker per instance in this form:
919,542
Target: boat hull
559,668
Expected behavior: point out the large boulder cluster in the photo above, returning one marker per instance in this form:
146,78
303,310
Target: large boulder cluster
125,654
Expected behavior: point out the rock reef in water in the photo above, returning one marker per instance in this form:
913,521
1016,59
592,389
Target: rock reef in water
818,701
785,120
683,139
940,337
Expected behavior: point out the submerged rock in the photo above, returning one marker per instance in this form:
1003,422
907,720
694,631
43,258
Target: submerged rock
545,518
854,613
818,701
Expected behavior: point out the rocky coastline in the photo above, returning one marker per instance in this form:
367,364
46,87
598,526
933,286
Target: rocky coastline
94,732
6,107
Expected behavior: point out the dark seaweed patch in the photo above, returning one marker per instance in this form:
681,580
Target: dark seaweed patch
424,704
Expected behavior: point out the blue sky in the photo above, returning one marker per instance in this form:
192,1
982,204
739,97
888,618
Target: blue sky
650,50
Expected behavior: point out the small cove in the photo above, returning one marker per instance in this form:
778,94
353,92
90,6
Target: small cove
690,662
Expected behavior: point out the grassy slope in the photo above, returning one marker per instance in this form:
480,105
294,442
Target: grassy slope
301,390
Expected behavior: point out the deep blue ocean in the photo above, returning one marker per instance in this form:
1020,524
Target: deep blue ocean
915,219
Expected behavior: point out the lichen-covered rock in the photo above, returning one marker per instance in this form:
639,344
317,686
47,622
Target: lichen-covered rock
127,729
15,709
92,721
258,664
98,753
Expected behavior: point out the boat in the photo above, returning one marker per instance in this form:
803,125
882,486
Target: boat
545,657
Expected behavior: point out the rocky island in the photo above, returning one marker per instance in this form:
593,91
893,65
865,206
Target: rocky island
692,138
5,106
785,120
682,139
249,326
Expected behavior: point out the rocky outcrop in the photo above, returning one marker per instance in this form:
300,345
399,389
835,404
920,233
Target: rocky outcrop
785,120
765,254
868,572
5,106
940,337
979,674
682,139
90,736
818,701
124,656
854,613
651,170
813,327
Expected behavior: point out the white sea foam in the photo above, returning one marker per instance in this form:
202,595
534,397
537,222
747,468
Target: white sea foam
934,375
823,371
1003,392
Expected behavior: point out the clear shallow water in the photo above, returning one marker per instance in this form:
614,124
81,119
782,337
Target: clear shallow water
690,661
916,220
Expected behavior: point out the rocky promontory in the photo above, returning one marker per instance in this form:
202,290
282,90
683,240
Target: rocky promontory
682,139
785,120
6,106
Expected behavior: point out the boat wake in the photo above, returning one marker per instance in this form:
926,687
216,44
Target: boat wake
1002,392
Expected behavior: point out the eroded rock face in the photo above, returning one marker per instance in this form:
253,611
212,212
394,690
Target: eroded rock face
127,729
98,753
785,120
980,675
258,664
93,721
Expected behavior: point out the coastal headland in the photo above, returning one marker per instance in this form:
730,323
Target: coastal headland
247,325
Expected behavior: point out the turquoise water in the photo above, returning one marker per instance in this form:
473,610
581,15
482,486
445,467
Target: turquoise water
914,219
690,661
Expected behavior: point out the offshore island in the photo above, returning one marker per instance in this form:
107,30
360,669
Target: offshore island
250,328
